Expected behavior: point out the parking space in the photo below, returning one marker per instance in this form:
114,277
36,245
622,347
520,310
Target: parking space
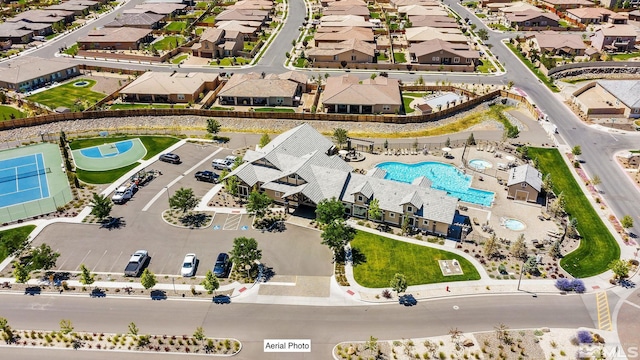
233,222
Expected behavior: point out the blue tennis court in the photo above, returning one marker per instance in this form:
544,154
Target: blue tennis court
23,179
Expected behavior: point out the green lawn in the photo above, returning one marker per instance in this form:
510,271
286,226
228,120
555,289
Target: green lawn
145,106
211,19
154,144
229,61
499,27
66,95
485,66
419,94
597,247
481,16
7,111
103,177
178,59
382,56
5,235
399,58
537,72
385,257
407,102
275,109
176,26
300,62
222,108
624,57
374,15
72,50
168,42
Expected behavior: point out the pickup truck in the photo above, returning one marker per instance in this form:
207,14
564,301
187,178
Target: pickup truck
124,193
136,263
207,175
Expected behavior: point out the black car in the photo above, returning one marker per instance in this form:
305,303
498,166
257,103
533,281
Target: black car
221,267
206,175
221,299
407,300
170,158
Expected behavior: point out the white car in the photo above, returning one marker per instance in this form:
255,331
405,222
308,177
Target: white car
189,265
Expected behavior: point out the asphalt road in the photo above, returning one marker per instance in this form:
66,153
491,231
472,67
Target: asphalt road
252,323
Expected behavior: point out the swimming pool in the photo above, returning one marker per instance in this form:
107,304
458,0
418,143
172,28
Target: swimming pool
514,224
480,164
443,177
107,150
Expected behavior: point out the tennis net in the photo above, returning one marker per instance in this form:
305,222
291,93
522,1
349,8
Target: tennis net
25,175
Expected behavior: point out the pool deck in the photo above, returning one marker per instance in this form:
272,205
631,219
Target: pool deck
502,207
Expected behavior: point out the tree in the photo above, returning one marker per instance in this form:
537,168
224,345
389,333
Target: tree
148,279
101,206
576,150
483,34
491,246
199,334
502,332
264,140
6,329
86,277
258,204
595,180
420,80
547,184
213,126
519,248
12,242
340,136
557,206
183,199
620,268
374,211
66,326
404,228
336,235
210,282
373,76
43,258
572,228
556,250
371,345
133,329
471,140
447,143
398,283
232,185
21,273
329,210
626,221
245,252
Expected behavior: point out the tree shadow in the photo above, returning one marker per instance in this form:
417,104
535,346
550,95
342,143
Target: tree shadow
112,223
194,220
357,256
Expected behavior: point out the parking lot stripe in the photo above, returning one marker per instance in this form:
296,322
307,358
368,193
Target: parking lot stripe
65,261
202,161
114,264
232,222
101,257
83,259
160,193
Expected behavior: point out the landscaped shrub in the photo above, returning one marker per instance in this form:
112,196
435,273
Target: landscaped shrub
578,286
564,284
585,337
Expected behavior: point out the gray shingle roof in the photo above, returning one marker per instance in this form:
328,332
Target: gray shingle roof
377,172
525,173
422,181
623,90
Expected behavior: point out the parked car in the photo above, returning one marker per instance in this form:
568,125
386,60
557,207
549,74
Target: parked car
207,175
221,268
219,164
136,263
189,265
170,158
221,299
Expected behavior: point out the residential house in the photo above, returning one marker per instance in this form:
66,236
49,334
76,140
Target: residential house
557,44
486,3
590,15
298,169
414,10
524,183
439,52
611,4
327,3
165,87
167,9
218,43
610,98
436,21
398,3
337,34
123,38
347,94
564,5
261,16
252,5
531,20
614,38
249,29
44,16
425,33
634,15
344,21
140,21
78,7
28,73
251,89
347,52
337,9
22,32
519,6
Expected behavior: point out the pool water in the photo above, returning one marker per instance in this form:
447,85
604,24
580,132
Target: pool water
443,177
514,224
94,151
480,164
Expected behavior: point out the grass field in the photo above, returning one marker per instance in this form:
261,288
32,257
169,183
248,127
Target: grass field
624,57
145,106
66,95
178,59
406,101
485,66
274,109
154,144
103,177
209,19
176,26
168,42
399,58
7,111
597,247
385,257
7,235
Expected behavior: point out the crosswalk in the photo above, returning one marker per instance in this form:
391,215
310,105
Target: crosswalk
604,313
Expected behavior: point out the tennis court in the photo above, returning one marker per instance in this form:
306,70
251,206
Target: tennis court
32,182
109,156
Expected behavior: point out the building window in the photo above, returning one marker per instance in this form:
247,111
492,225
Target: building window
353,58
410,208
425,222
276,194
359,197
386,107
392,215
180,96
335,57
456,60
524,185
435,58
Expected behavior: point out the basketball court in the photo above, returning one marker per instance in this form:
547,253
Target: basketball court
109,156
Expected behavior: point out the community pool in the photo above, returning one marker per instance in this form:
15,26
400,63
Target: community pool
107,150
443,177
480,164
514,224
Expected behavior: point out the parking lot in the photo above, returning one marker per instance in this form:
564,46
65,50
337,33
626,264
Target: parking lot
296,251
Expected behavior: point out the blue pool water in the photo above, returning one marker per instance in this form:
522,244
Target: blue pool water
514,224
443,177
480,164
94,151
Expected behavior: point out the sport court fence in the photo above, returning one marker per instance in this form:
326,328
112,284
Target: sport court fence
35,208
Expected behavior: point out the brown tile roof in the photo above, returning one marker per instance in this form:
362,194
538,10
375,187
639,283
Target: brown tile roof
344,46
436,45
569,2
135,19
433,21
358,33
212,34
555,40
239,26
157,8
121,34
165,83
252,15
251,5
360,10
590,13
26,68
528,15
253,85
618,30
41,16
422,10
347,89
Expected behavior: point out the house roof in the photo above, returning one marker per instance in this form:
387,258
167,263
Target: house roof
212,34
241,27
527,174
618,30
347,89
555,40
26,68
517,7
397,3
436,21
344,21
422,10
338,9
341,34
6,30
436,45
121,34
251,5
529,15
424,33
165,83
135,19
253,85
163,8
584,3
344,46
623,90
41,16
590,12
243,14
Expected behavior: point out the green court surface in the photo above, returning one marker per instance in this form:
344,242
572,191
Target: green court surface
59,193
109,155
